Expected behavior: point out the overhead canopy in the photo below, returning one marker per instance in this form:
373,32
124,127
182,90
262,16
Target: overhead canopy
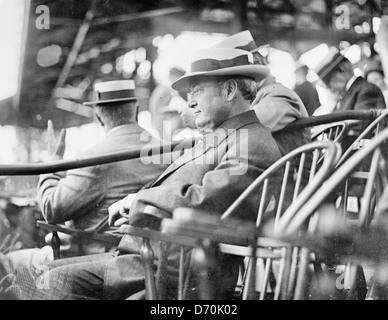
75,45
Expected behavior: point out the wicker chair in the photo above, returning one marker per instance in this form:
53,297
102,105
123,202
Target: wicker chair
376,179
209,235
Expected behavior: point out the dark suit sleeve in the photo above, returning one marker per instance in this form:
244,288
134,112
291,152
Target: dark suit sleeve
369,97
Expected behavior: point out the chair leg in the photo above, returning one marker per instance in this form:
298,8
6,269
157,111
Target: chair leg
56,245
376,290
303,279
249,290
355,283
80,247
147,255
206,268
294,269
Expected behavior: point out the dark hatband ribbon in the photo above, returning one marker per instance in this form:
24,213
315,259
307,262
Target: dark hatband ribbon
212,65
122,94
331,65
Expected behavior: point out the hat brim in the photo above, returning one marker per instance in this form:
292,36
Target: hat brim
255,72
323,75
92,103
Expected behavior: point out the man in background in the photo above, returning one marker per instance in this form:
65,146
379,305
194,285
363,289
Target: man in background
355,93
163,104
305,90
374,73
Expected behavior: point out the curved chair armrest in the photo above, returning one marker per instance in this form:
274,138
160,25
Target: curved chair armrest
106,236
158,235
308,122
202,226
346,243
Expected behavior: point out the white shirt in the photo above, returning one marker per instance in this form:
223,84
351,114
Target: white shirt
350,82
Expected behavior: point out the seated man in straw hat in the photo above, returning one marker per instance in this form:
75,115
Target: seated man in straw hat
81,197
355,93
235,150
276,106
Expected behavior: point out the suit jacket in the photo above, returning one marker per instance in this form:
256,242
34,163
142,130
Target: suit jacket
309,95
208,177
277,106
212,174
81,197
362,95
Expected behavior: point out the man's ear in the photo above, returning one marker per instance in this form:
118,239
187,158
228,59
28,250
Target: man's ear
231,86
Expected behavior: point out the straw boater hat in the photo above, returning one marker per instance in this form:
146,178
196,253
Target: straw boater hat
328,64
222,62
113,91
242,40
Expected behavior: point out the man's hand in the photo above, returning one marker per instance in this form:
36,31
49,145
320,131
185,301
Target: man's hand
56,148
119,210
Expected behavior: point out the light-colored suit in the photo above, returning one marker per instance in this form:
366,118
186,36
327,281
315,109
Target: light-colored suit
81,197
277,106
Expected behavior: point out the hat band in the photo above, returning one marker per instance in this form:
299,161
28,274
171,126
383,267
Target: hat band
327,69
111,95
212,64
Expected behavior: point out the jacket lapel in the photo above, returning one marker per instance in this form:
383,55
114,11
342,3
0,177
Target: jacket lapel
349,94
190,155
210,141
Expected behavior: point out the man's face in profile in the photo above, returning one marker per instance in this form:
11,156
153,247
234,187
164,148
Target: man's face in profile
208,102
336,82
188,117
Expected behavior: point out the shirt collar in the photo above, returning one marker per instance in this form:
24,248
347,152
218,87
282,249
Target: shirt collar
128,128
350,82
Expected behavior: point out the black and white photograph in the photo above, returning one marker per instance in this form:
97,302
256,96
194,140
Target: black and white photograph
193,154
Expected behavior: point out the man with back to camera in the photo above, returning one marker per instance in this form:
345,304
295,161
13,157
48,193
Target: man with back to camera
235,150
81,197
